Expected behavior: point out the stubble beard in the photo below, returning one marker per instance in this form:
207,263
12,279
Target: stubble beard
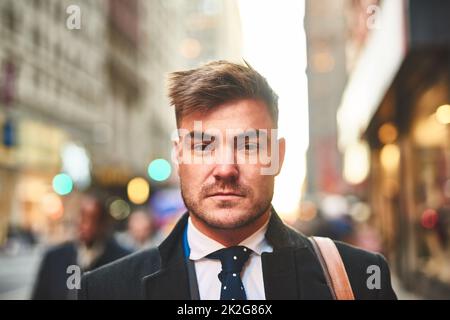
211,220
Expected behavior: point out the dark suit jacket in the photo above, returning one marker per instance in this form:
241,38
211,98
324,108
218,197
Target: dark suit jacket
291,271
51,281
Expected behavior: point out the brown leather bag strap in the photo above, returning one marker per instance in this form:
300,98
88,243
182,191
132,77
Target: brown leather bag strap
333,268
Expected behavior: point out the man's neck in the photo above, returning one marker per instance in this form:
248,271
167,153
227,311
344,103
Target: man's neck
230,237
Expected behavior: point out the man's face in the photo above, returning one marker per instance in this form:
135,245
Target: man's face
222,183
89,224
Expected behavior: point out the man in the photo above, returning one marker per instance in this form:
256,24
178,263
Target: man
92,249
141,233
231,244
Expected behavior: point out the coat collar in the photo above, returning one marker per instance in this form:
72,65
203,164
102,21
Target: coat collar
282,236
291,271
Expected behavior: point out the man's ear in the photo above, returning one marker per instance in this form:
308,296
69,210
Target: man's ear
281,153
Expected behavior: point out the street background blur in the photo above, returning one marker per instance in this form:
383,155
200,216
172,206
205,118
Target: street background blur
364,90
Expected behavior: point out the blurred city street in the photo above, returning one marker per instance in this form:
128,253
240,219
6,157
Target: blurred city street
18,273
88,170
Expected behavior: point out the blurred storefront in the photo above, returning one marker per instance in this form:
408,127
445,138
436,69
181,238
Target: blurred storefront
7,178
27,170
400,95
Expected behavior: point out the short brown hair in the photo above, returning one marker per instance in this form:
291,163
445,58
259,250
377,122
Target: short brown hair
216,83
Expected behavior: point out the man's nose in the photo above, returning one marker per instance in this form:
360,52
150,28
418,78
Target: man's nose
226,166
225,171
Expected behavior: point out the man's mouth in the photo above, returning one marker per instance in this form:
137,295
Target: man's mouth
222,195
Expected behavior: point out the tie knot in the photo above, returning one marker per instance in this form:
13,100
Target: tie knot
233,258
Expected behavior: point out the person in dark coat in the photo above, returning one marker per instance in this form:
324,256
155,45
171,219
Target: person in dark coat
92,249
230,244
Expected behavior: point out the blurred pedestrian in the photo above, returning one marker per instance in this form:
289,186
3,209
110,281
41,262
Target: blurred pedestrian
141,232
92,248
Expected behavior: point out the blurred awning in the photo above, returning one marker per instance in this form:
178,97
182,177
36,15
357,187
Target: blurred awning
418,89
377,66
405,53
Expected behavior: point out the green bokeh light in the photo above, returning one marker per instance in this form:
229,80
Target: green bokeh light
159,170
62,184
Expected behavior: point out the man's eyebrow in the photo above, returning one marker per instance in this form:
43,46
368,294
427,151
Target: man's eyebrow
200,134
252,134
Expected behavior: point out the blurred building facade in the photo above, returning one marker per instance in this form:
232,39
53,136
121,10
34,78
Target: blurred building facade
53,93
396,105
325,27
99,88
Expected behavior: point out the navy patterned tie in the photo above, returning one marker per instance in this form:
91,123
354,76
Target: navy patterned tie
233,260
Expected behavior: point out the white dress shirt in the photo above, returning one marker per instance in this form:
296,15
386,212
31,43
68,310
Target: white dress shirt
207,270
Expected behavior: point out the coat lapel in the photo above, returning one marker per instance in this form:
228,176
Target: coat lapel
280,278
171,281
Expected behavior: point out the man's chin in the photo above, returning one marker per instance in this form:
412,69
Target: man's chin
227,218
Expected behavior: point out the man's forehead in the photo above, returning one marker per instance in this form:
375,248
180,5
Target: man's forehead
225,126
239,114
236,123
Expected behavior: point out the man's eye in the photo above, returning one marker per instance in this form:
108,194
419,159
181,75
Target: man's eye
249,147
201,146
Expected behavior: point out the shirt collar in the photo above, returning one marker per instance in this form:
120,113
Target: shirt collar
201,245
